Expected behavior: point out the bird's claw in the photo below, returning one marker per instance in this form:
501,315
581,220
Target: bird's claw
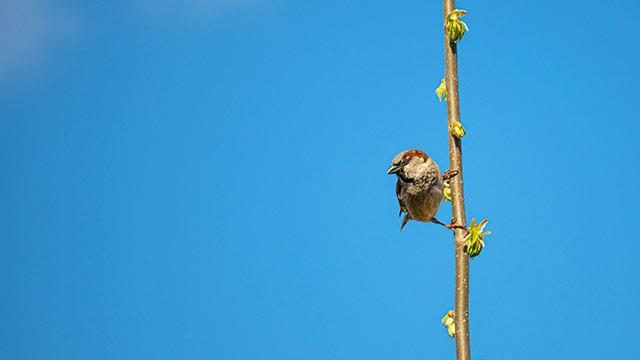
454,226
449,174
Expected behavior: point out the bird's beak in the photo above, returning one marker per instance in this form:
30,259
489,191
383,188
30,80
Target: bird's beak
393,169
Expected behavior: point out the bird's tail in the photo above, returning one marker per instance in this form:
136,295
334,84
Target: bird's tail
405,221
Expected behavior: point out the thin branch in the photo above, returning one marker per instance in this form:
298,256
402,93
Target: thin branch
461,313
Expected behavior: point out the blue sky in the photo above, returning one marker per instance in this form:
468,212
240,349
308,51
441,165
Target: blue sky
206,179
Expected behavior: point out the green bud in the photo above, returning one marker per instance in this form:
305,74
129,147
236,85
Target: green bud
457,130
449,323
441,90
446,191
474,241
454,27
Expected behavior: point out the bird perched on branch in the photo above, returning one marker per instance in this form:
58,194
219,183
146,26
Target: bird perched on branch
420,186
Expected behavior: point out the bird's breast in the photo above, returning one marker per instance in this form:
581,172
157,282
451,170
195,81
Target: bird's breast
422,203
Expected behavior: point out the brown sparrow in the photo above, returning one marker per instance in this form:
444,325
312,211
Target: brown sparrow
420,186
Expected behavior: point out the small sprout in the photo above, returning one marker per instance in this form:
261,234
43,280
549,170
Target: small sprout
454,27
441,91
474,241
446,192
449,323
457,129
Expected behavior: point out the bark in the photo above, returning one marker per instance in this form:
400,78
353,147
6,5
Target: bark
461,310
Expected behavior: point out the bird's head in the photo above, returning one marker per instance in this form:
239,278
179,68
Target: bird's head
408,164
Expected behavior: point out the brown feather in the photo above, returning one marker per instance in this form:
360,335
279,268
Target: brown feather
405,221
403,208
416,153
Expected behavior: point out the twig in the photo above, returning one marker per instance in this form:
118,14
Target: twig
461,313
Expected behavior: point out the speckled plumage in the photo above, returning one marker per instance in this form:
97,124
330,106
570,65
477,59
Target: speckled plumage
419,187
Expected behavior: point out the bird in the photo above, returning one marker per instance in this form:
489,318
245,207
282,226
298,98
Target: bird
419,187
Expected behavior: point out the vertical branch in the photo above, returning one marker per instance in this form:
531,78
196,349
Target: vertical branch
461,313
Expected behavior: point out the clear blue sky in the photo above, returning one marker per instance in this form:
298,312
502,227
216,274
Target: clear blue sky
206,179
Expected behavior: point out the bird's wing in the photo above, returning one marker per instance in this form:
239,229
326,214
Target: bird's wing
399,186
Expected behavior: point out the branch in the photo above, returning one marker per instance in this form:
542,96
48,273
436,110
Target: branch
461,313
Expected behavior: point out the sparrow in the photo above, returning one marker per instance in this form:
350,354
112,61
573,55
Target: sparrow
419,187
